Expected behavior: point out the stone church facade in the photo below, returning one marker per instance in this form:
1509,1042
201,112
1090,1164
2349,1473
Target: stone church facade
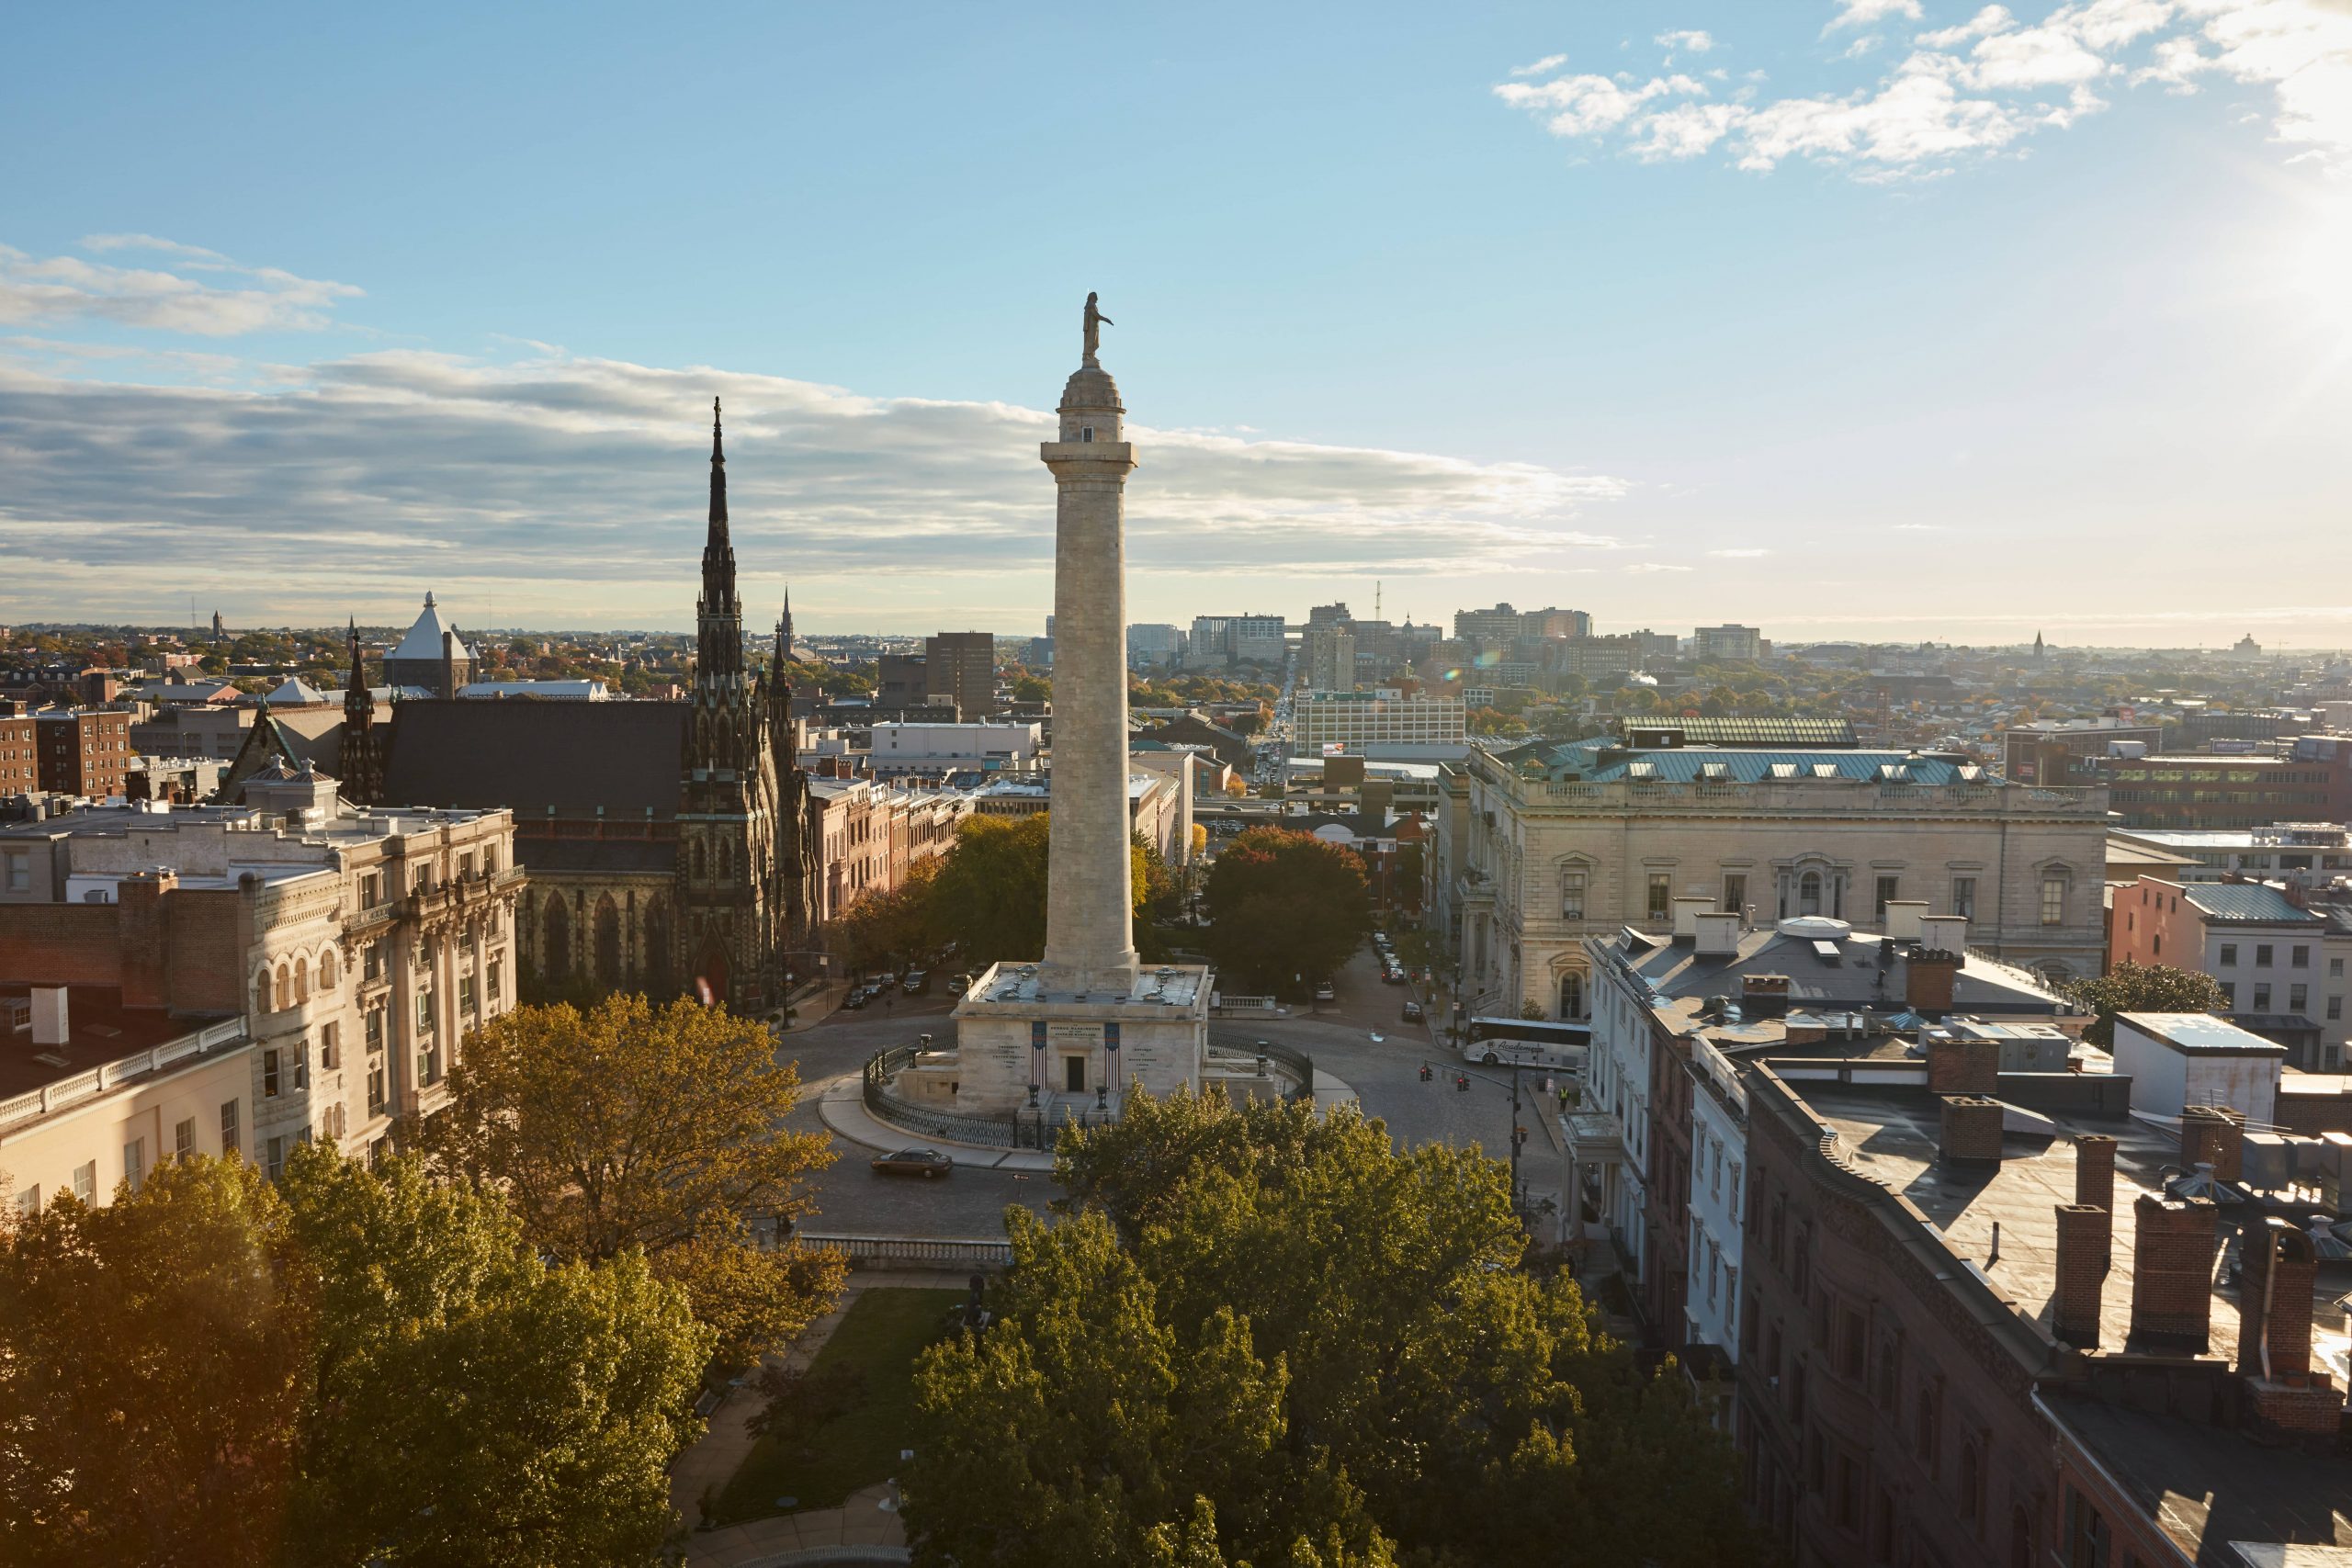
671,846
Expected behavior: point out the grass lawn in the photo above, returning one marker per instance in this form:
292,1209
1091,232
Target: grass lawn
879,1336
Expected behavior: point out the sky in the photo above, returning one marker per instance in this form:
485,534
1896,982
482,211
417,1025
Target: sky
1889,318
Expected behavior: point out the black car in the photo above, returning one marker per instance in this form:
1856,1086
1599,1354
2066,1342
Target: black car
1412,1011
928,1164
857,998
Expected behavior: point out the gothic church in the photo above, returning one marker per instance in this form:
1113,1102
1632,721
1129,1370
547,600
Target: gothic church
671,846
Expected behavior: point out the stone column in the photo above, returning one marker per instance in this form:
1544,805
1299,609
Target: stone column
1090,932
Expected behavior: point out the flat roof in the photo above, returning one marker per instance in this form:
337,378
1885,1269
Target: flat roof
2201,1033
100,1029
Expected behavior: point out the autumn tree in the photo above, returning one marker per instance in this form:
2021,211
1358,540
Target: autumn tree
1285,903
627,1127
989,895
2142,987
1266,1336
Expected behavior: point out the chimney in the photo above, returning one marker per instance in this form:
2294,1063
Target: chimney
448,664
145,937
2095,1185
1963,1065
1944,933
1902,918
51,1024
1686,917
1718,933
1927,979
2083,1238
2275,1303
2172,1273
1972,1130
1764,996
2214,1136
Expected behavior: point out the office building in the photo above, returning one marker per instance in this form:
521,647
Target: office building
1323,722
962,665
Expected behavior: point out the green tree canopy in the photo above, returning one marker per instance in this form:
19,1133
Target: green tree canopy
989,895
1285,903
625,1126
2140,988
356,1368
1268,1337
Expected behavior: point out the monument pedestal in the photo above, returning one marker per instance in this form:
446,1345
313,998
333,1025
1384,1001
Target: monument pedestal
1077,1049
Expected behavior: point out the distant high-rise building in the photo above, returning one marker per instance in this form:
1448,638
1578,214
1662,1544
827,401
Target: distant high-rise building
963,666
1733,642
1329,616
1154,645
1330,660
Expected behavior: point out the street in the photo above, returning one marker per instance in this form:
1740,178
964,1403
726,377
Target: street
1384,1073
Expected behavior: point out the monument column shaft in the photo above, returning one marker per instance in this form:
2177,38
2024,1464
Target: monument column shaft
1090,908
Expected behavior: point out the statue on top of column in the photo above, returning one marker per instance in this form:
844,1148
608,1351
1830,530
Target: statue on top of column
1095,321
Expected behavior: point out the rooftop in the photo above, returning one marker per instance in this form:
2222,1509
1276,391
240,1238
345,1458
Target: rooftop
2200,1032
1166,985
1606,761
1840,969
100,1032
2250,902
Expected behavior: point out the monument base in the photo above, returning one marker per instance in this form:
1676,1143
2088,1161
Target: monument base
1077,1051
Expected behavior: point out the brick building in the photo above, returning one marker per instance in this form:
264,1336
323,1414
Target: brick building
2280,963
962,665
2312,783
82,752
19,771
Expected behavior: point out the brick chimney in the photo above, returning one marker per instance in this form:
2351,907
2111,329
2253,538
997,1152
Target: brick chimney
1764,996
1972,1130
1928,980
145,934
2172,1273
2095,1185
2084,1239
2214,1136
1964,1066
2275,1303
449,664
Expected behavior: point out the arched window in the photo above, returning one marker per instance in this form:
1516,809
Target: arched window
1809,893
301,979
659,978
555,958
1571,994
608,941
327,970
284,987
700,865
1972,1484
261,992
2020,1538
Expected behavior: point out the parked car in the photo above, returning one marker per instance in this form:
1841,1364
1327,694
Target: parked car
855,999
1412,1011
929,1164
917,982
1324,993
958,984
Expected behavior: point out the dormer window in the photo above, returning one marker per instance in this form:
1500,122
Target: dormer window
1086,432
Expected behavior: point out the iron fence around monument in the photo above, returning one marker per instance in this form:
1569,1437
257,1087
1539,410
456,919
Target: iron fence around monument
895,1111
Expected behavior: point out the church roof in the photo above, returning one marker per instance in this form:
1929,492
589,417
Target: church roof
294,689
424,639
574,757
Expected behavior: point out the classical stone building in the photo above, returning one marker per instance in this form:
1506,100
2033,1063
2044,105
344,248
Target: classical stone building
664,839
1545,844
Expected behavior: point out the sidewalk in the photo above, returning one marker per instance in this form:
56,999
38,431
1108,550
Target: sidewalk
840,1104
863,1522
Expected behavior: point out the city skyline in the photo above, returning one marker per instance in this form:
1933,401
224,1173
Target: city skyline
1885,320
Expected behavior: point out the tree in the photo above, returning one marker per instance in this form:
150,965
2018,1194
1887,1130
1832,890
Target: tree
152,1363
356,1367
1285,903
989,895
470,1405
2137,987
1267,1336
627,1127
1032,689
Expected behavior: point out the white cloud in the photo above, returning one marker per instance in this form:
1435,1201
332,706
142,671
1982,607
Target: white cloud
1650,566
1738,555
65,288
1977,87
1861,46
1694,39
1539,67
567,491
1864,12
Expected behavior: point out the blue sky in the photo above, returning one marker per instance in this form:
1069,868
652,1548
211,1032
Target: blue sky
1857,317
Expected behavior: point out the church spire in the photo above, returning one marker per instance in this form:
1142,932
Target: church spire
718,614
356,758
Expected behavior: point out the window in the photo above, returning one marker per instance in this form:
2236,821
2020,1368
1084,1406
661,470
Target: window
496,967
231,1141
428,1068
2054,900
134,1163
2299,999
1572,893
2299,957
2261,998
2335,968
424,1012
2228,952
2262,956
372,961
329,1054
1734,891
85,1181
375,1087
2335,1008
375,1029
1963,896
2229,994
1890,888
20,872
466,995
1972,1486
184,1139
1809,893
29,1201
275,1164
1661,895
269,1085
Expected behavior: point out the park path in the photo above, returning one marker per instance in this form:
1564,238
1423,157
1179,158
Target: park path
867,1523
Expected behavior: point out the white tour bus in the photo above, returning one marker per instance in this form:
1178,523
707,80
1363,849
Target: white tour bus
1527,1042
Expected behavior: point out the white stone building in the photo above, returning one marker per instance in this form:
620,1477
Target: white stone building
1357,720
1541,846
